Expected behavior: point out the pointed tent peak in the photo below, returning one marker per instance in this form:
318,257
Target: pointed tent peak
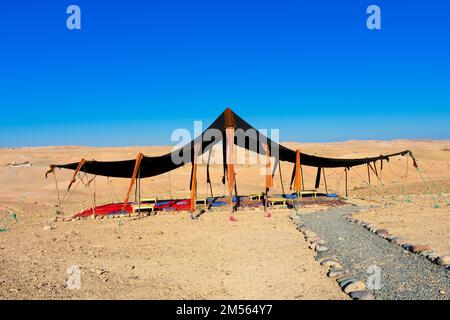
229,118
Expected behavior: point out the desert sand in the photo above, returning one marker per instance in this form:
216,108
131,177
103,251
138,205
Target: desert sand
171,256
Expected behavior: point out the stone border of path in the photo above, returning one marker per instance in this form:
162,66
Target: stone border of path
420,249
355,288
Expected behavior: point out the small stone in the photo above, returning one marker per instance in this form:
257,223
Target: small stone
322,255
344,278
312,246
47,228
345,282
334,273
407,246
382,232
331,263
361,295
354,286
432,256
443,260
420,247
313,239
321,248
400,241
309,233
424,253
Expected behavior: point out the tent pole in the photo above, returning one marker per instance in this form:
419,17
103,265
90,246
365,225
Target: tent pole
325,180
346,182
210,188
194,179
317,184
229,145
139,194
265,198
303,182
208,177
297,179
269,179
95,193
236,194
193,185
281,177
137,165
136,190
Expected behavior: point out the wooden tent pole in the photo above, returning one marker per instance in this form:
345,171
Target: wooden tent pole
230,164
269,179
297,179
238,203
136,190
79,167
281,177
194,177
318,178
137,165
139,194
210,188
376,170
346,182
193,185
208,177
303,183
325,180
229,137
95,192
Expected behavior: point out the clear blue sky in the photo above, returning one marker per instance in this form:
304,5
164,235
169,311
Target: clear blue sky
139,69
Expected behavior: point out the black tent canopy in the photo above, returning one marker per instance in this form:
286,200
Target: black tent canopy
156,165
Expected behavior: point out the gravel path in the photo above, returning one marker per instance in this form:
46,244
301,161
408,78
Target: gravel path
404,275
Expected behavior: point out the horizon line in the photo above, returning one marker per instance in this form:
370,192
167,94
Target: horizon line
168,145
